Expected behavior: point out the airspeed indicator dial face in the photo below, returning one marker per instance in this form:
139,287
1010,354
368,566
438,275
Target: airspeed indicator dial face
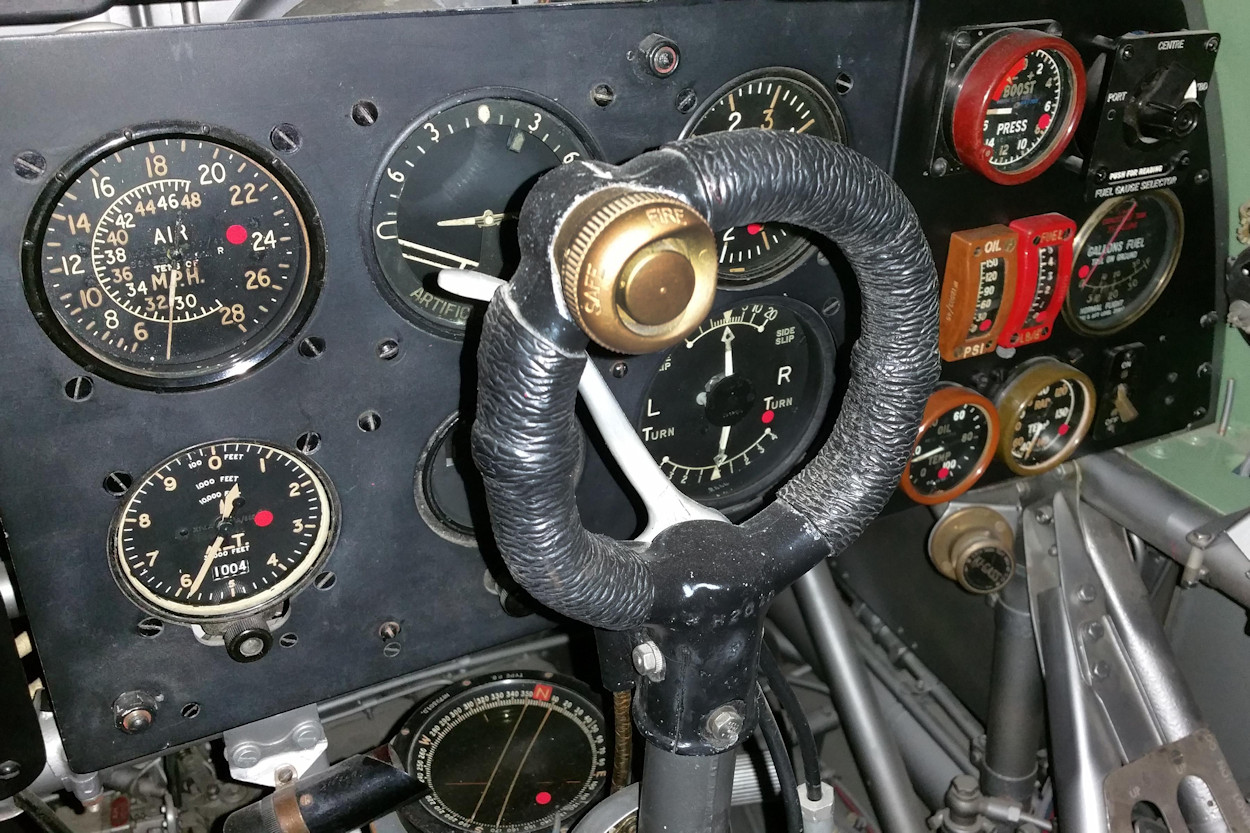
222,530
172,261
771,99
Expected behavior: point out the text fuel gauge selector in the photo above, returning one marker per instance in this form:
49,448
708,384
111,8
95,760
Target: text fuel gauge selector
223,532
734,405
978,289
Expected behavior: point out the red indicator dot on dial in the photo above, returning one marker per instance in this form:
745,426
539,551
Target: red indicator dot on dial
264,517
1083,272
986,324
1063,429
543,797
943,473
236,235
1043,121
767,417
754,228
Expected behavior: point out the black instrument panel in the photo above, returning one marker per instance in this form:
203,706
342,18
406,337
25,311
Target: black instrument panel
361,381
372,386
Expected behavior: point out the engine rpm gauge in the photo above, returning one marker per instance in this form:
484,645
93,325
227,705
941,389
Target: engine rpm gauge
171,260
735,404
1017,98
221,531
773,99
957,438
449,197
1046,409
1124,256
508,753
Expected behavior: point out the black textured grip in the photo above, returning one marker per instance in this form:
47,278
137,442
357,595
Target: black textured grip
526,440
835,191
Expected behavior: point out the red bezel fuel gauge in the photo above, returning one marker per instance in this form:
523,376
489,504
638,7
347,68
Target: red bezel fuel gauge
957,438
1017,99
1043,270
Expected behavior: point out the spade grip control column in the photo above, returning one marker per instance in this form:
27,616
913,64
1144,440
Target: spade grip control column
624,252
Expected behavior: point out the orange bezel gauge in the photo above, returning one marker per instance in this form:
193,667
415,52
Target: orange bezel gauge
1017,104
956,442
978,290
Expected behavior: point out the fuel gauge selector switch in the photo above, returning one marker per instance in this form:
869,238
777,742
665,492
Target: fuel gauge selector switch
978,290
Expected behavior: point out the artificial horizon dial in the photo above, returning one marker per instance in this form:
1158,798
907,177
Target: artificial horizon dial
736,403
171,261
222,530
1046,409
773,99
1124,256
1017,98
507,753
450,195
957,438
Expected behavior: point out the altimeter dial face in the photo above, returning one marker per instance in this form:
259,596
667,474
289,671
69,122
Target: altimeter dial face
222,530
171,261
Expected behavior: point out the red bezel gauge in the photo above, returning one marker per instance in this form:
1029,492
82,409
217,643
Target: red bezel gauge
956,442
1043,269
1018,98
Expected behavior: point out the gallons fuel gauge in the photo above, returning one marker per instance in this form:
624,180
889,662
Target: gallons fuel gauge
736,404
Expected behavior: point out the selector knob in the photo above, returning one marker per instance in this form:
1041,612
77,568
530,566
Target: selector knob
974,547
1166,106
638,269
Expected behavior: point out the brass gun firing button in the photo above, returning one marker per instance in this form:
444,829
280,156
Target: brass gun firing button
638,269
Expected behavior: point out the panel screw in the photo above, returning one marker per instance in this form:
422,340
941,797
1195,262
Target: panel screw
391,649
246,754
602,95
312,347
1126,52
1202,176
364,113
1100,174
117,482
1087,593
369,421
843,83
150,627
308,442
388,631
1204,370
963,40
1199,413
723,726
324,581
1094,631
79,388
284,775
648,661
10,770
1042,516
388,349
285,138
1209,319
190,710
307,735
686,100
29,164
619,369
288,640
1212,44
1102,669
1053,552
939,167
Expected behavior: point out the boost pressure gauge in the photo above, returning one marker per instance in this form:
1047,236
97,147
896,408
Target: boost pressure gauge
1015,102
773,99
1046,409
957,438
222,531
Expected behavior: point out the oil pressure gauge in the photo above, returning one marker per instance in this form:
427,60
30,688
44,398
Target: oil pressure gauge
222,531
978,290
1046,409
1015,101
736,403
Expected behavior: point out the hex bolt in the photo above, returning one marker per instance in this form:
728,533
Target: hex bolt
723,726
965,787
660,55
10,770
1087,593
245,755
1102,669
648,661
1094,631
134,711
1043,516
29,164
388,631
307,735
